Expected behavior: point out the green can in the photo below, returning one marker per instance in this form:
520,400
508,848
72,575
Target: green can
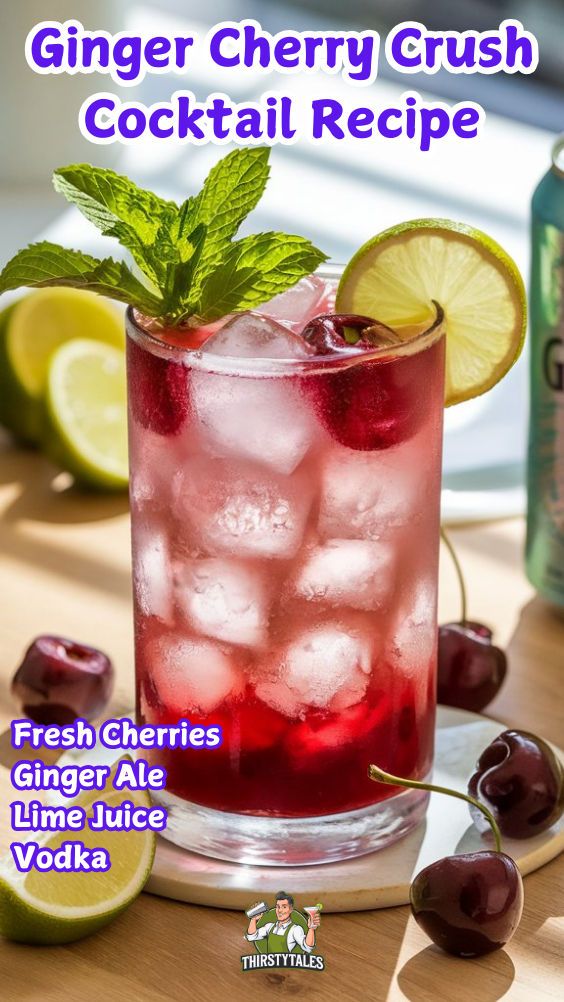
545,510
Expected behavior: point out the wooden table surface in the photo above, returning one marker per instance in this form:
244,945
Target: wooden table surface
65,569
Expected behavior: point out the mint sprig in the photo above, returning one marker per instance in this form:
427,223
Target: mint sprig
192,269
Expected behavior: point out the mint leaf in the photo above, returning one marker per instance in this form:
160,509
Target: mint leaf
45,264
254,270
139,219
231,191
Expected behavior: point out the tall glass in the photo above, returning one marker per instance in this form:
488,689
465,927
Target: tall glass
285,520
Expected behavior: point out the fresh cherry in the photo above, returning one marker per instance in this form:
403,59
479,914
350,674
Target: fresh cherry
521,780
467,904
471,669
372,405
339,332
60,680
158,390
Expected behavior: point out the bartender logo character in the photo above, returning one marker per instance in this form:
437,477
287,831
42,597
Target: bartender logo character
282,929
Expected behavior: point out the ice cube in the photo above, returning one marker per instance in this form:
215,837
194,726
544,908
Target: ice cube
153,464
240,510
297,306
252,335
227,600
279,696
152,575
192,674
263,419
350,572
326,666
364,494
413,639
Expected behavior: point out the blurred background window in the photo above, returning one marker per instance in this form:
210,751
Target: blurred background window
536,100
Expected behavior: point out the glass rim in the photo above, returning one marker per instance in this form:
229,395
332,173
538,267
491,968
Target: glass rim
228,364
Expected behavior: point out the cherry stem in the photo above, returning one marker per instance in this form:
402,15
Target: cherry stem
379,776
458,570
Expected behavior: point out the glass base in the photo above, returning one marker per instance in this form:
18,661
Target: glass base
262,841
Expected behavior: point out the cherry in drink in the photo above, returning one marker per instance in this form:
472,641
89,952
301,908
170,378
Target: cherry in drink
285,487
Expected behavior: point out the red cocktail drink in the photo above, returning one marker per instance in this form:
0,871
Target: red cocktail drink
285,510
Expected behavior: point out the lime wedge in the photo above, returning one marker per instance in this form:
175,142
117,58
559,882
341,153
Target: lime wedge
396,275
59,907
86,413
30,331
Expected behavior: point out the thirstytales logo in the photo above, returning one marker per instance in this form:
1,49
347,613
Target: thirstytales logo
283,936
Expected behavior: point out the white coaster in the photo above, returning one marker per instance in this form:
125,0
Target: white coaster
380,879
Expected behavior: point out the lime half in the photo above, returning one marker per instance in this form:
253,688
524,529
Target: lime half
86,413
59,907
396,275
30,331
